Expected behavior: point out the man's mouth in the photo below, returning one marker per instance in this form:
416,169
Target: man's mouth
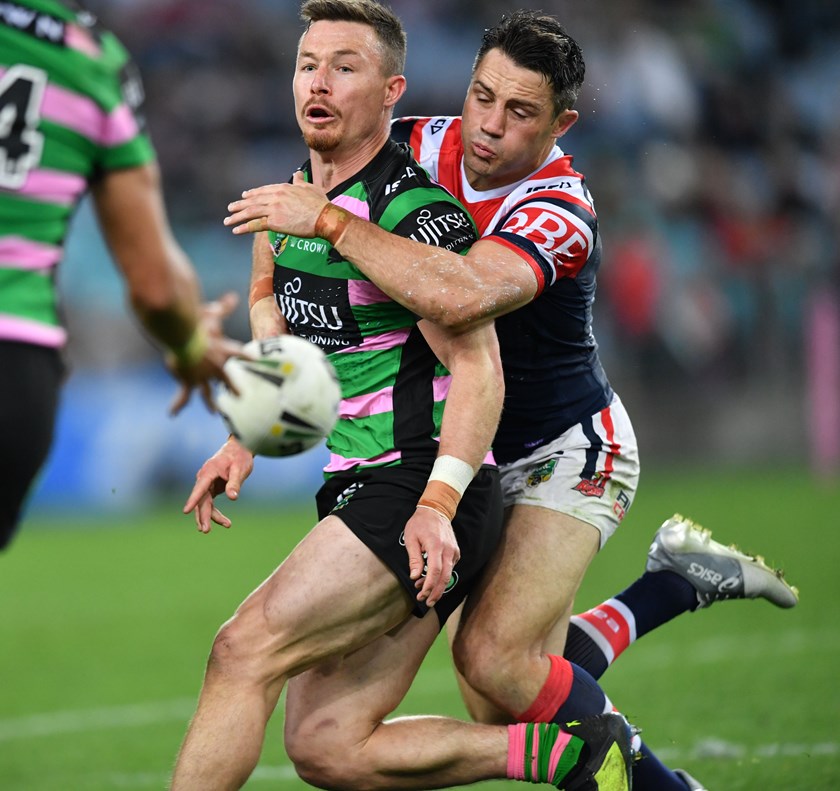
319,114
482,151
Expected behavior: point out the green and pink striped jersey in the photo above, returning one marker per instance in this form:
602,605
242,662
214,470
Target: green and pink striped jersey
393,387
69,104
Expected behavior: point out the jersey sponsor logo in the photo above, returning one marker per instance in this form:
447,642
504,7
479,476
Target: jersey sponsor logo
560,185
305,313
437,125
431,228
27,20
550,228
409,173
308,245
318,309
621,505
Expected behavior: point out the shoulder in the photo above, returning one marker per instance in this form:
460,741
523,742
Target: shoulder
407,201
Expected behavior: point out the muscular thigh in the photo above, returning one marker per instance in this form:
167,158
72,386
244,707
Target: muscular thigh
531,583
330,596
337,704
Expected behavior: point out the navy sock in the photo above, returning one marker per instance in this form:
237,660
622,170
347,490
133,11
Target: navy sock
650,774
657,597
585,698
596,638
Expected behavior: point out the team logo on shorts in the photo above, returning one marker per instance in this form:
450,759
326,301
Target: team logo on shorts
345,496
541,474
592,488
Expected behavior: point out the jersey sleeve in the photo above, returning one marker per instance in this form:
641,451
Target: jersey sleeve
125,141
554,229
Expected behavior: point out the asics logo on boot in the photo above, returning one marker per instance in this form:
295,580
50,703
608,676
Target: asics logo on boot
705,574
713,577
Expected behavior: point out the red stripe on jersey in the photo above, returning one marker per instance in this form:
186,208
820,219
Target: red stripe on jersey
540,275
415,140
611,624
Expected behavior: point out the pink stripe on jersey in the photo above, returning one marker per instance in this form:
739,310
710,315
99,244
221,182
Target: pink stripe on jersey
79,39
121,126
387,340
383,400
354,205
363,292
19,253
53,186
85,117
368,404
338,463
440,387
13,328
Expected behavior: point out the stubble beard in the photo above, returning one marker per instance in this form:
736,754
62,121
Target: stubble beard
322,141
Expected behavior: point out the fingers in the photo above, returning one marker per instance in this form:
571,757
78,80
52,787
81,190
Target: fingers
247,216
438,573
222,307
181,400
203,488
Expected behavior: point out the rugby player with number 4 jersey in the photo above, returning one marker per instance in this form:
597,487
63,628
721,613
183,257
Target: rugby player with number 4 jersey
71,122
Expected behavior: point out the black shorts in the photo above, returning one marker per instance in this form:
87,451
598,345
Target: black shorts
376,504
29,397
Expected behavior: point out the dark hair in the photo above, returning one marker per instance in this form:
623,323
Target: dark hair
385,23
538,42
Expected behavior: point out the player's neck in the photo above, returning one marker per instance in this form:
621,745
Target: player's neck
331,168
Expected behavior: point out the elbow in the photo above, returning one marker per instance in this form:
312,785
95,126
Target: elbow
458,315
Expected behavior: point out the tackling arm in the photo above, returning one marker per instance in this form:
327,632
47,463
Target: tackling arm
449,289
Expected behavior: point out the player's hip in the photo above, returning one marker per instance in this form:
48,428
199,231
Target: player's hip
376,503
591,471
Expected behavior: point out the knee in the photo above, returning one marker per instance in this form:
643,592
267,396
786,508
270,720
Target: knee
324,762
487,664
240,652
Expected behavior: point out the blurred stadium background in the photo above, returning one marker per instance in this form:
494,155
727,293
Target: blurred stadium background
709,135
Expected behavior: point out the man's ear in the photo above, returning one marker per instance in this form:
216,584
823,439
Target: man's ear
394,89
565,121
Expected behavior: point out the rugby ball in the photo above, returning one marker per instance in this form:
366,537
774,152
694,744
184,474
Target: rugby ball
288,398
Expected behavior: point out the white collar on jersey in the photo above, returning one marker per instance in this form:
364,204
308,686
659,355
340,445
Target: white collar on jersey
476,196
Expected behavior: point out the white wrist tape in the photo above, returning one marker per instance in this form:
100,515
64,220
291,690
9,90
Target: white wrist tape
452,471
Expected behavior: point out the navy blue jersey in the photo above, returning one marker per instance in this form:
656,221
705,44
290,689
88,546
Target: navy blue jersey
553,376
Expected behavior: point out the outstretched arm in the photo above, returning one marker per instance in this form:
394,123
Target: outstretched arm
444,287
163,288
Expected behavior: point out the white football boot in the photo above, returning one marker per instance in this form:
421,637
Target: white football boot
717,572
693,785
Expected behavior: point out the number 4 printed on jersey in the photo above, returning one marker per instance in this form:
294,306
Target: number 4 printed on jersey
21,92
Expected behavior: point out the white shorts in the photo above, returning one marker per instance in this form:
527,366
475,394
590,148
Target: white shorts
590,472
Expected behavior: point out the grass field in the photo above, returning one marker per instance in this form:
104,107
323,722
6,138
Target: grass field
105,625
